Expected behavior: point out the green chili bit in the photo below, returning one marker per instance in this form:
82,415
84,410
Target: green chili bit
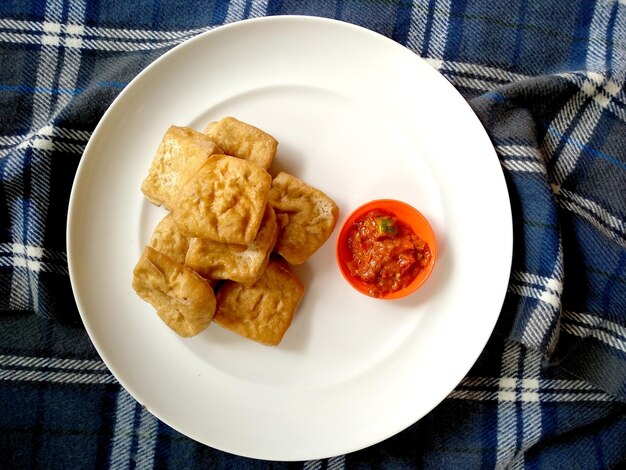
386,226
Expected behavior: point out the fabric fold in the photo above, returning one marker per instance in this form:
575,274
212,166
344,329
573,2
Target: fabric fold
554,139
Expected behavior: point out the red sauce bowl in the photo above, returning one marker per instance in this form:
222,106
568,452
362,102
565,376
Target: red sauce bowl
405,213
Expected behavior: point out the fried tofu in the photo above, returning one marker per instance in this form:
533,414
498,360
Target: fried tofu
312,217
167,239
241,263
183,300
181,152
223,201
243,140
262,312
212,257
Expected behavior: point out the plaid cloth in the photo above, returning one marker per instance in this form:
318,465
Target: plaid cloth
547,80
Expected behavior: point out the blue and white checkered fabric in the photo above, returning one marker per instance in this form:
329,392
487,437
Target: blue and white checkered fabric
547,80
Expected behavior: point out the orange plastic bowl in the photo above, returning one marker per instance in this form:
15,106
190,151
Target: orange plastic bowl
407,214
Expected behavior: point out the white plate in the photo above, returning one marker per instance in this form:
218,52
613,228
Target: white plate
361,118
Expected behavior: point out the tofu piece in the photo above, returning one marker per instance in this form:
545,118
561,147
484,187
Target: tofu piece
182,299
181,152
223,201
311,214
243,140
241,263
262,312
167,239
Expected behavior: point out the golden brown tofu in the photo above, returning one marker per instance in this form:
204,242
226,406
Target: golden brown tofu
311,214
241,263
181,152
224,201
183,300
262,312
167,239
243,140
